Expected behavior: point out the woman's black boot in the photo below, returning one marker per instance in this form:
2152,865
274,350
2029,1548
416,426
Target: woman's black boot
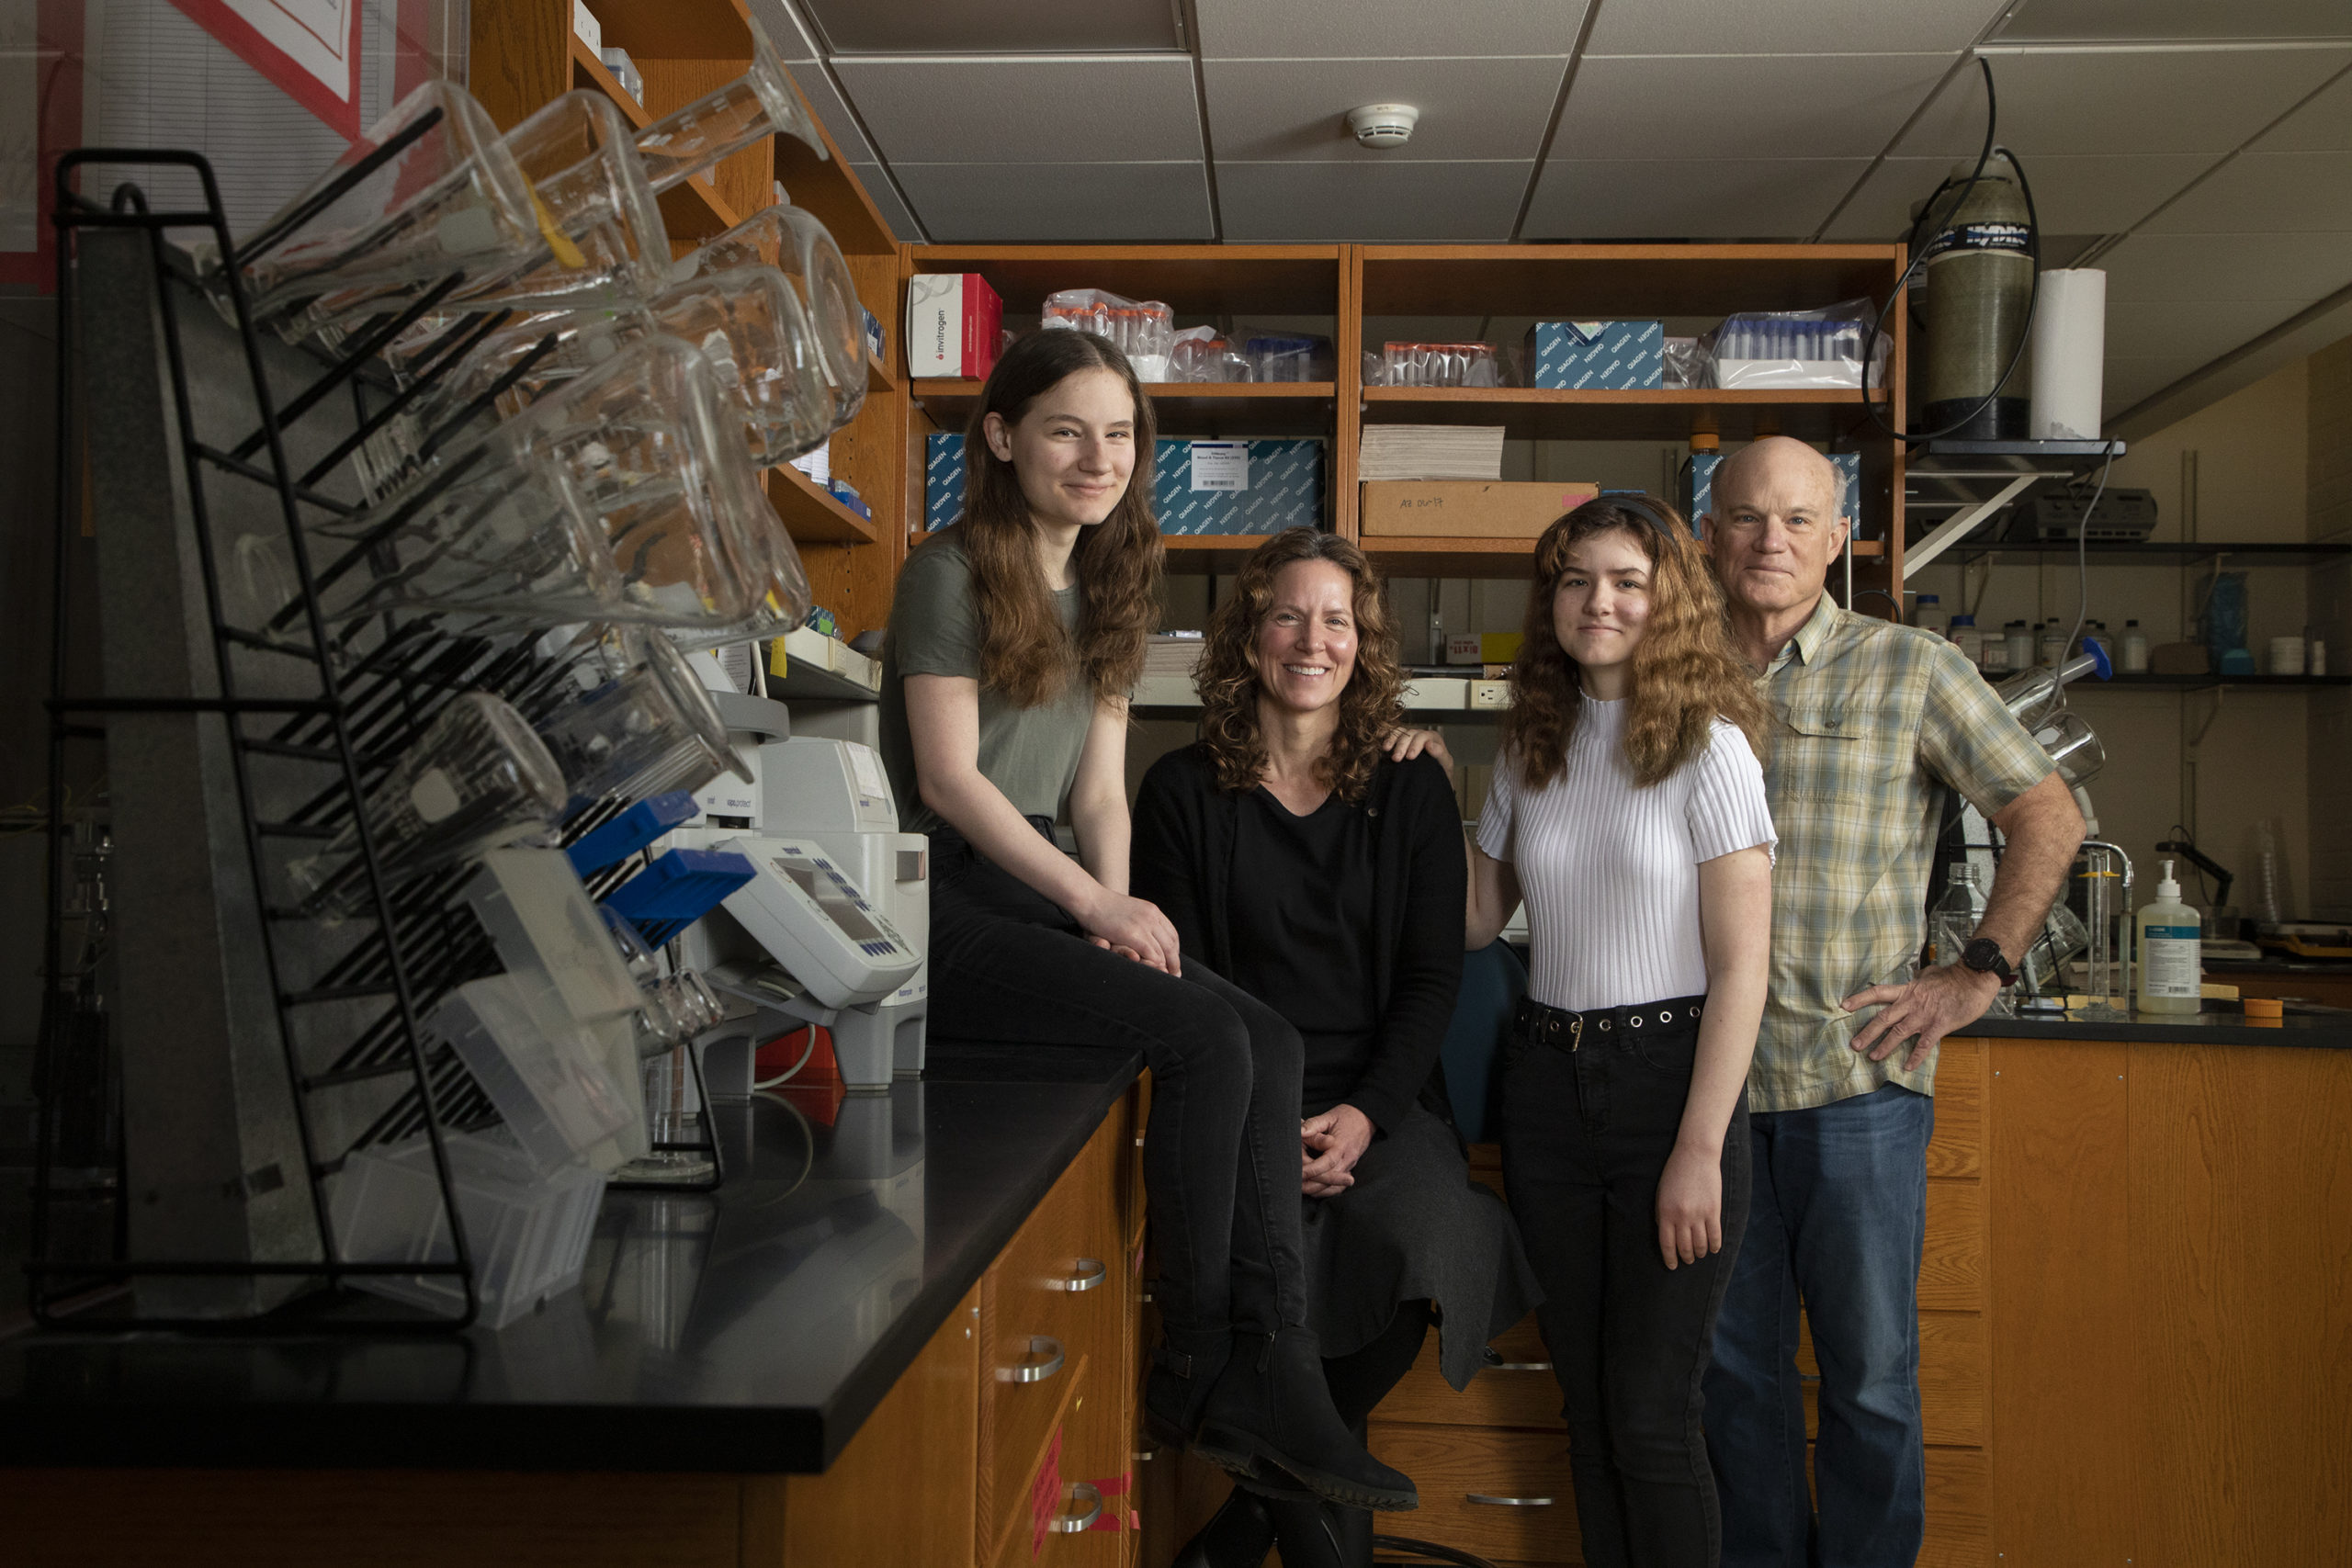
1184,1371
1305,1533
1352,1529
1272,1407
1238,1535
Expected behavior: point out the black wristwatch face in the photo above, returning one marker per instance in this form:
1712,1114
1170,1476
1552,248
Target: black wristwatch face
1984,955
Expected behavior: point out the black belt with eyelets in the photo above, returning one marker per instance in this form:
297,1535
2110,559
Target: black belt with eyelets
1569,1031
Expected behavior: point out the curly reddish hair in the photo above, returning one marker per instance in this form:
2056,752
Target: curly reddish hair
1687,674
1371,705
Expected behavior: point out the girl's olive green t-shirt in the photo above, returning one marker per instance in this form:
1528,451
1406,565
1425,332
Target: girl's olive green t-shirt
1029,753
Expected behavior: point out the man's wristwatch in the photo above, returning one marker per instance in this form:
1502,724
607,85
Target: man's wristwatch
1984,955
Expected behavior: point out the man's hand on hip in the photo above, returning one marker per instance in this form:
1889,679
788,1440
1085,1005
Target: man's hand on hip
1941,1000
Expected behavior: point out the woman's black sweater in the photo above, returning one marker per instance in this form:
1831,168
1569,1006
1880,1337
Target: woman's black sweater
1182,861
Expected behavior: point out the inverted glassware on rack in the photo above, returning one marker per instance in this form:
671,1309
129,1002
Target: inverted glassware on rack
797,245
760,101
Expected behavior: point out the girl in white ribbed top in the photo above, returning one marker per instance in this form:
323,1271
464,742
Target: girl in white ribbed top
1628,811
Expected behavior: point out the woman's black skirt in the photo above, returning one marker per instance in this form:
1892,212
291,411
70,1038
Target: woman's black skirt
1415,1226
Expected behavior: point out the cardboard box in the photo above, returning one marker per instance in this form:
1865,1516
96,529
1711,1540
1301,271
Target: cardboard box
587,30
1482,649
955,324
1198,487
1615,356
1467,509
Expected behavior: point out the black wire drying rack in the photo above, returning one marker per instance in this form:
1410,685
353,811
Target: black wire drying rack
307,715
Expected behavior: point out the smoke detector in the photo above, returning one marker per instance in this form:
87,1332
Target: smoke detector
1384,125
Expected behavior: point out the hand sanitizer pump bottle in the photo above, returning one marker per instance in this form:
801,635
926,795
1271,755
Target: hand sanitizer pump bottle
2172,975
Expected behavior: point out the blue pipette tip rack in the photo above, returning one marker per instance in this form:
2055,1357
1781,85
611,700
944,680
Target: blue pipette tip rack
631,832
677,888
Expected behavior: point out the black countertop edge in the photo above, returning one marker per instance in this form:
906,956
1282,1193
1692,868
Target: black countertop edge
2304,1027
117,1426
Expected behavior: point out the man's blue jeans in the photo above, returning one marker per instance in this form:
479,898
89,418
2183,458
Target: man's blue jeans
1835,1223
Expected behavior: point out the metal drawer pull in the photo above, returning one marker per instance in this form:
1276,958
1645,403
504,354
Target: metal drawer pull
1495,1363
1091,1273
1482,1499
1071,1524
1042,1345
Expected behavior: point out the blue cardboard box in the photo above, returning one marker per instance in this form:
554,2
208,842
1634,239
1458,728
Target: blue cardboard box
1700,478
1612,356
1224,487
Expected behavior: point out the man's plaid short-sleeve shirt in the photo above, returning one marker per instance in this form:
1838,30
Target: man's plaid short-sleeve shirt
1875,721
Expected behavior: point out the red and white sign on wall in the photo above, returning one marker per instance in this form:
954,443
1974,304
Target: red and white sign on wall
309,49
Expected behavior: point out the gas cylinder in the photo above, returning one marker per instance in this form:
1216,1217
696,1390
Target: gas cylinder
1978,278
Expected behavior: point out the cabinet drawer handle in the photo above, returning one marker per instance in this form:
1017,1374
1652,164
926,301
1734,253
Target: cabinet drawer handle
1091,1273
1495,1363
1043,1345
1071,1524
1485,1500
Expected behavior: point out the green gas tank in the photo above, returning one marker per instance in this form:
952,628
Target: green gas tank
1978,279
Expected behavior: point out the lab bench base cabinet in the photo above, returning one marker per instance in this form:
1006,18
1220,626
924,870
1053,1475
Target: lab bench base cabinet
979,1448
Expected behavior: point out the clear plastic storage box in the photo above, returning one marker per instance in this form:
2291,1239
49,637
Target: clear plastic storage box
555,1091
528,1233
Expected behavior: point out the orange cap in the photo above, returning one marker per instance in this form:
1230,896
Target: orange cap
2264,1007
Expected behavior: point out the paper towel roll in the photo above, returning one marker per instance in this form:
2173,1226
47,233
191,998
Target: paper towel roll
2069,354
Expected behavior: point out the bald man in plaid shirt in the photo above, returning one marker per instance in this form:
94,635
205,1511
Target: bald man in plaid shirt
1877,720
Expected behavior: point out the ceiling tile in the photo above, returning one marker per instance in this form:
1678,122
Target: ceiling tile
2189,269
833,113
2103,195
1471,110
2188,334
2131,378
2178,19
2148,101
1027,111
1788,26
783,26
2266,193
2322,125
1798,106
1368,203
998,27
1706,198
1060,203
1326,30
878,184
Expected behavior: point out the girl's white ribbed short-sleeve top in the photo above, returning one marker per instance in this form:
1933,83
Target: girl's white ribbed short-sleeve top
1611,871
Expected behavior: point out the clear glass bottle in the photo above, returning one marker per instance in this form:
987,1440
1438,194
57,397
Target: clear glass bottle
2136,649
1953,919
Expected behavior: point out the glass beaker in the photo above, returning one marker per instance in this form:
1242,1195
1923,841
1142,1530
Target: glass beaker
798,245
475,779
653,724
450,198
2072,744
760,101
2104,871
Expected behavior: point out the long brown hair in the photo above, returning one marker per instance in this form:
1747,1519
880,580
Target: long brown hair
1687,674
1370,707
1025,651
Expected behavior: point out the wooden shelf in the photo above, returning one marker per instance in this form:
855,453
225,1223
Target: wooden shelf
692,212
1197,280
1400,556
878,377
1539,413
1183,407
812,514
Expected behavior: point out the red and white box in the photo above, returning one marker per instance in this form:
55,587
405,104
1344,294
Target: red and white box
955,324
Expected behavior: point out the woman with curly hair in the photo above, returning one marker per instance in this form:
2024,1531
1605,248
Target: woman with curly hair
1628,809
1306,850
1014,637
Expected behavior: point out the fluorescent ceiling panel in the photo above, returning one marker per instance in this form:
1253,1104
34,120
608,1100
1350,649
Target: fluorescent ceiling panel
2266,193
1120,110
1788,26
2147,101
995,27
2104,195
1784,106
2120,19
1328,29
1368,203
1060,203
1704,199
2190,270
1471,110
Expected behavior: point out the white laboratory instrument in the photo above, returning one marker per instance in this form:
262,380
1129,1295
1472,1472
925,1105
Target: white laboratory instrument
816,923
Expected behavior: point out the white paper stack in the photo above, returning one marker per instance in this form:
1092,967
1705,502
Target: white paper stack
1172,654
1431,452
